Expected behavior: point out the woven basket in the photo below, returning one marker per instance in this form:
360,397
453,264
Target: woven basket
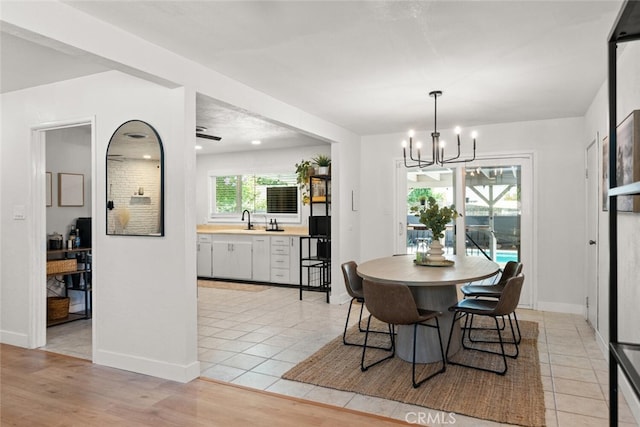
57,308
62,266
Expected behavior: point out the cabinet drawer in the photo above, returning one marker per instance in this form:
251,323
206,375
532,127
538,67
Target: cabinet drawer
280,250
279,275
204,238
279,241
280,261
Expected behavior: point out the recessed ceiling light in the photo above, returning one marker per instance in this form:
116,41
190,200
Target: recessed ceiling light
256,142
146,156
198,147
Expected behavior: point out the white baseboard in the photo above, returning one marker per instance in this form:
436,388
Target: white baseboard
14,338
602,345
339,299
141,365
558,307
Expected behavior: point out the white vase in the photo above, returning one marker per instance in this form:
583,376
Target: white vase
435,252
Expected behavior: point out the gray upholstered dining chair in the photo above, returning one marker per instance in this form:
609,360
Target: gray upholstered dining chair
394,304
511,269
353,284
504,306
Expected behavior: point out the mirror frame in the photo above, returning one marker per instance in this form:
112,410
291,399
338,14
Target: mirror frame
109,203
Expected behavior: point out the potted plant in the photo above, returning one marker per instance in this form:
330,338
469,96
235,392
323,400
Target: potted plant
436,218
323,162
304,170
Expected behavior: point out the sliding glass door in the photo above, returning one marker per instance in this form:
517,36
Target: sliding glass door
493,212
495,200
422,185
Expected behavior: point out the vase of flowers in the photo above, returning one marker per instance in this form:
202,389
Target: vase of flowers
436,218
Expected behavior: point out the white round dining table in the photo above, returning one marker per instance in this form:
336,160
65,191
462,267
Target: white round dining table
433,288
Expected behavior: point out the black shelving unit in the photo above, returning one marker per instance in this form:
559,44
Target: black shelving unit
315,249
79,281
623,356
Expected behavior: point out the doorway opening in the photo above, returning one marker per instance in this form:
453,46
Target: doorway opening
62,305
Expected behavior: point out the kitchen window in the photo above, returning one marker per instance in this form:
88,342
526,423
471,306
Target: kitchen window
273,194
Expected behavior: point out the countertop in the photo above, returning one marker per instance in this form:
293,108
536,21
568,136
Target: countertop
289,230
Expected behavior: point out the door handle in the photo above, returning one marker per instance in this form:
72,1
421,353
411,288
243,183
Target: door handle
592,242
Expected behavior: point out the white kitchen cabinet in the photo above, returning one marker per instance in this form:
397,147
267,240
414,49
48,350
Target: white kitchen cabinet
204,260
284,259
261,261
232,257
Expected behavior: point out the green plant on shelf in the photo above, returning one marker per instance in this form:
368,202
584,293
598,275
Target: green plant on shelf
322,160
304,170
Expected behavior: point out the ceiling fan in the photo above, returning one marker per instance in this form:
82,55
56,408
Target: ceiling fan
200,134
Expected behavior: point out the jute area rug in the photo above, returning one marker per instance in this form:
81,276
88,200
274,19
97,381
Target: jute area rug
231,285
515,398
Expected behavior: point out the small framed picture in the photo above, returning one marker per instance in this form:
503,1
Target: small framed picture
70,189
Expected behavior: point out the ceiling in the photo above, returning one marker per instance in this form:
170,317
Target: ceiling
367,66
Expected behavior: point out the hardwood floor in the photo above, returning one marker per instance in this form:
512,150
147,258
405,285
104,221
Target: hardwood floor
38,388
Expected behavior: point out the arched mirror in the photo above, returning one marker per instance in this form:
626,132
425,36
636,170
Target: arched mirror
135,181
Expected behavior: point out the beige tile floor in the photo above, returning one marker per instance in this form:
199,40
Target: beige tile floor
252,338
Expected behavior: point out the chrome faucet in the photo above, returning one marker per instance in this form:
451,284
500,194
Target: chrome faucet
249,226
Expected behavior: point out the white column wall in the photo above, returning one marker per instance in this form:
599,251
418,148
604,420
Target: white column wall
559,218
122,344
144,310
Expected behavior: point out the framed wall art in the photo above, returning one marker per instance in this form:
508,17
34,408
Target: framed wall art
627,162
70,189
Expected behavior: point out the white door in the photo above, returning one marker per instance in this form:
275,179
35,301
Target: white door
593,198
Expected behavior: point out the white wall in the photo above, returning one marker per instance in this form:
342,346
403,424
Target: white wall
153,302
558,149
629,246
628,94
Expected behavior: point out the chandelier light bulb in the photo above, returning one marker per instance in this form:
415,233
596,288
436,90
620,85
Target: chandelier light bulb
404,143
418,145
457,130
442,144
411,133
474,134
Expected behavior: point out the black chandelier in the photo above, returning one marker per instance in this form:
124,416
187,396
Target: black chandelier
437,146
